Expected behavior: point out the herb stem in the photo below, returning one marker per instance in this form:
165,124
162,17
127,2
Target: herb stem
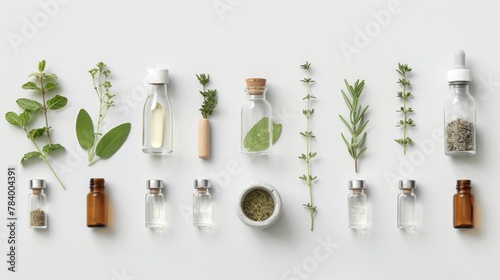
44,109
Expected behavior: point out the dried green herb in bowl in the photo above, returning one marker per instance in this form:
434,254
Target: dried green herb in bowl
259,205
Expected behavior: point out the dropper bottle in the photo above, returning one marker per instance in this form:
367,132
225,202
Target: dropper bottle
460,111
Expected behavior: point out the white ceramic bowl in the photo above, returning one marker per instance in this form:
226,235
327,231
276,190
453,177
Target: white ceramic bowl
277,205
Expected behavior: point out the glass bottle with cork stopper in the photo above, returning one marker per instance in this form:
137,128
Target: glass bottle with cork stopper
155,205
357,205
97,204
157,127
202,204
407,205
256,119
37,203
460,112
463,204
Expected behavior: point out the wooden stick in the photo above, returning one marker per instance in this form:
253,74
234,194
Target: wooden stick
203,138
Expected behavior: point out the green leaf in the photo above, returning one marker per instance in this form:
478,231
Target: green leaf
37,132
112,141
84,130
29,155
13,119
31,85
258,138
25,117
277,128
28,104
41,65
51,147
57,102
50,86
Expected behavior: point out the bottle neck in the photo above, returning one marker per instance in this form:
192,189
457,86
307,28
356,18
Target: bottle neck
407,191
156,89
154,191
97,189
36,191
461,87
462,189
256,96
357,191
202,191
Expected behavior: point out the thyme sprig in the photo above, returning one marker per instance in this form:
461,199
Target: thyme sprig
356,123
406,122
308,135
210,98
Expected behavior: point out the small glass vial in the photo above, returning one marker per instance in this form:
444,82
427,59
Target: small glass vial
407,205
97,204
37,203
256,119
460,112
155,205
463,204
157,126
202,204
357,205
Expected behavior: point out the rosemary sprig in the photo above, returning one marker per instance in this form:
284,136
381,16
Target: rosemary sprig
356,120
209,96
308,135
403,69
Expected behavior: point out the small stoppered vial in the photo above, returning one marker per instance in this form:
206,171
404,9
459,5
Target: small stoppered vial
463,204
97,204
407,205
357,205
155,205
37,203
202,204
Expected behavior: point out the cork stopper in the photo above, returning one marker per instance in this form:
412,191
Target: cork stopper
256,86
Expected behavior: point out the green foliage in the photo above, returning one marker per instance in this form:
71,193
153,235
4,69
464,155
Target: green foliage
44,82
210,97
257,138
406,122
308,135
356,123
89,139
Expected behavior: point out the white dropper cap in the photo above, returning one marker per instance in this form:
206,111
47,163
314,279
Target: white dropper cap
459,73
158,76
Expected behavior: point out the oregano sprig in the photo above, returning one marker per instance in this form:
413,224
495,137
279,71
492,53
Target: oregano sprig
357,123
406,122
308,135
44,82
99,145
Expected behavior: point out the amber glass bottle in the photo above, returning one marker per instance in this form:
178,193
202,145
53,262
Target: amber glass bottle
463,203
97,204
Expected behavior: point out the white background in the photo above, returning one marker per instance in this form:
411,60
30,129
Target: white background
233,40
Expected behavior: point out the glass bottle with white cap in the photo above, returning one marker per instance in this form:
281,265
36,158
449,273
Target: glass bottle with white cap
155,204
37,203
407,205
157,129
202,204
357,205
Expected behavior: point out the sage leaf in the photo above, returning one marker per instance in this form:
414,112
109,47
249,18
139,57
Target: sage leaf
13,118
57,102
51,147
28,104
31,85
112,141
84,130
277,127
258,138
29,155
36,132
